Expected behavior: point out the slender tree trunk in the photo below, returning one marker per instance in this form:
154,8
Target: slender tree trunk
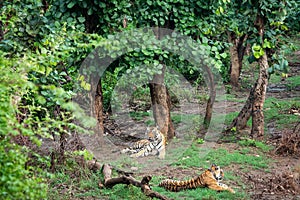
98,111
160,98
171,129
255,102
1,30
161,105
240,122
261,87
237,51
211,99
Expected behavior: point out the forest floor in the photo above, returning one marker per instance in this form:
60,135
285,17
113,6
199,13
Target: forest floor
280,179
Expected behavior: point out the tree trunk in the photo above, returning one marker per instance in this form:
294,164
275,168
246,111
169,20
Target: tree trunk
261,87
160,99
237,51
255,102
161,105
211,99
98,111
240,122
1,31
171,129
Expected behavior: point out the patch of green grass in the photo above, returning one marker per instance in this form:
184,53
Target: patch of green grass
293,82
185,118
277,110
233,98
275,78
195,155
253,143
230,116
201,193
139,115
68,184
198,193
123,192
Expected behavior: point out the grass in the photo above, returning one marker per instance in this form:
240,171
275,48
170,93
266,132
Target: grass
293,82
75,182
193,156
275,78
139,115
253,143
277,110
67,184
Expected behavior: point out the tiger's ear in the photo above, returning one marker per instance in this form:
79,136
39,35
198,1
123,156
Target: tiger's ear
213,165
147,130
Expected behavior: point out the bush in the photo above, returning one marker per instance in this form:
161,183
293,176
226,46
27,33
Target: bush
17,181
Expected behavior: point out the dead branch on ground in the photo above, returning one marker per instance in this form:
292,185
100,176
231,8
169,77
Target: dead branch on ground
128,180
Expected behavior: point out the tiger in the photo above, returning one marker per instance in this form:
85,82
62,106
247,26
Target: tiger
154,145
211,178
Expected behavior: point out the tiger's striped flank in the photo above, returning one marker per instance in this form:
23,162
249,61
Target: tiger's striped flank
154,145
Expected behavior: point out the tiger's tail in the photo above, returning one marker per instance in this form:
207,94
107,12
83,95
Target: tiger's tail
175,185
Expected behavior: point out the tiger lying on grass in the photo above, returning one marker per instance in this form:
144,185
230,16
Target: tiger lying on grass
154,145
210,178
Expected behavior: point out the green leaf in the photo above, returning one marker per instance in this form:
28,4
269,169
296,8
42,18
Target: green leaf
160,66
84,4
90,11
204,40
71,4
81,19
223,55
214,48
48,70
256,54
256,47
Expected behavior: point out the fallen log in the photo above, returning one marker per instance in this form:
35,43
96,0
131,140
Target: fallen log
129,180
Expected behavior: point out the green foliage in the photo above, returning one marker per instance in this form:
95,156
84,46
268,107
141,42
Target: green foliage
281,66
26,25
38,70
85,153
200,141
46,41
85,14
258,51
17,181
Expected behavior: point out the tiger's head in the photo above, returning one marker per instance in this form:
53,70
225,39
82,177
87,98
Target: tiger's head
217,172
151,133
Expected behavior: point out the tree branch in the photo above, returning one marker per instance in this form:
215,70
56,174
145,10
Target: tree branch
128,180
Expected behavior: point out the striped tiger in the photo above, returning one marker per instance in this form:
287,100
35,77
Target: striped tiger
136,146
211,178
154,145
